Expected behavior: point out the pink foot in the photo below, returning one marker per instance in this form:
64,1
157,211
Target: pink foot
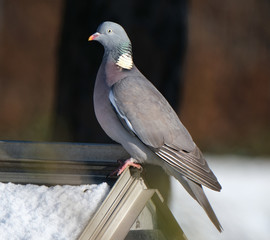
124,165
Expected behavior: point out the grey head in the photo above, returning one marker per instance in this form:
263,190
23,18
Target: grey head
115,42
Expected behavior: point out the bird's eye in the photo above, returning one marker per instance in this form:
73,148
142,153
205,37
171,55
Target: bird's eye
109,30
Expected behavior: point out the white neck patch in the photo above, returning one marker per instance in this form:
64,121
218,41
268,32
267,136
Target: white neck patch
125,61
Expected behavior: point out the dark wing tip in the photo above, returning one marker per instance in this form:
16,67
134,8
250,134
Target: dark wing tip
218,189
190,164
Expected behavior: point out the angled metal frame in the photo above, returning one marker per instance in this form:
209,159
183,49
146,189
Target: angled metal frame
123,206
78,163
120,209
58,163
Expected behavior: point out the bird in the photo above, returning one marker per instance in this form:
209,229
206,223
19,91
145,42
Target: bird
136,115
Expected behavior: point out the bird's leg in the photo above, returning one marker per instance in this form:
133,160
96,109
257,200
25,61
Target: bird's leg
124,165
127,163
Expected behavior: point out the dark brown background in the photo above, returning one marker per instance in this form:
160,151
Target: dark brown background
225,98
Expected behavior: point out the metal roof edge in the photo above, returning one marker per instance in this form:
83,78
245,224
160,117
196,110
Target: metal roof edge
123,205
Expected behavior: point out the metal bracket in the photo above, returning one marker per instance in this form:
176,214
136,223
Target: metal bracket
121,208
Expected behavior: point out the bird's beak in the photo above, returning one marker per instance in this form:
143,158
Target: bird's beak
94,36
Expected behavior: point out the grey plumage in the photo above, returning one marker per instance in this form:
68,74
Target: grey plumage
135,114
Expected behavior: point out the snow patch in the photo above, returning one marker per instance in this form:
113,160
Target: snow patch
33,212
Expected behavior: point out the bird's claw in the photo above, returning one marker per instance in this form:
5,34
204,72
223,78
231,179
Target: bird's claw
124,165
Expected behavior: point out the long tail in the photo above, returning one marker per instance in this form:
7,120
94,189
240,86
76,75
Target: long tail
196,191
201,198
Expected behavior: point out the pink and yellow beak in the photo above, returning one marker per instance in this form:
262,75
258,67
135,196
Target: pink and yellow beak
94,36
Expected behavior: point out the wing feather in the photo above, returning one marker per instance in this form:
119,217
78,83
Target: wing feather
191,165
147,114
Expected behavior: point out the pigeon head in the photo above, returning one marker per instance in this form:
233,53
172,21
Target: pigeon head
115,42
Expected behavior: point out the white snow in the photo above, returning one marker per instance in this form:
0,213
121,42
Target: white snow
31,212
242,206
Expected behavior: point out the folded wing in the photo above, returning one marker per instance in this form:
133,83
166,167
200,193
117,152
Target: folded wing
147,114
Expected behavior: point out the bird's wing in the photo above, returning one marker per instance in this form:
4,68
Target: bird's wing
190,164
146,113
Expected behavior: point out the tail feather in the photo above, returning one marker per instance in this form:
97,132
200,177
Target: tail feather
196,191
201,198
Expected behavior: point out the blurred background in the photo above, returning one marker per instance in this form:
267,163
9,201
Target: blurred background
211,60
